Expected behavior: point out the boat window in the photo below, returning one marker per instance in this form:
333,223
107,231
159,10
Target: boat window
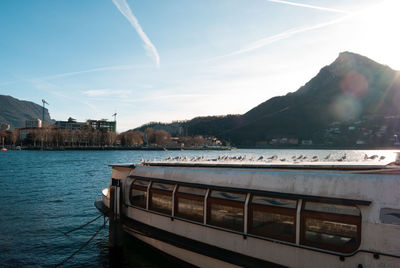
331,226
275,202
226,209
192,190
332,208
161,197
138,193
189,203
273,217
228,195
141,183
163,186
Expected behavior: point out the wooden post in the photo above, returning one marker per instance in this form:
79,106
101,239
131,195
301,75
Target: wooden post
115,236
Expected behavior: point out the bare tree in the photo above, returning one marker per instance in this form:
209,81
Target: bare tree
198,140
14,136
162,137
149,135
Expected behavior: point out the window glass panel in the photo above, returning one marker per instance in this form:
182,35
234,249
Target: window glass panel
332,208
336,234
191,209
228,195
226,216
274,225
138,198
163,186
141,183
161,202
276,202
192,190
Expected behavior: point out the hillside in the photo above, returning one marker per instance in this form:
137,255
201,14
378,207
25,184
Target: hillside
353,89
15,112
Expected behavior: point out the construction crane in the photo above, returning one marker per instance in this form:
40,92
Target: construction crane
115,121
44,103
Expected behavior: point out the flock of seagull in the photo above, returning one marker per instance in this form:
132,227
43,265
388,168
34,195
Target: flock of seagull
274,158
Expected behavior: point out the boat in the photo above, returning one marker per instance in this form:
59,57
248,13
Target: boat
3,149
238,212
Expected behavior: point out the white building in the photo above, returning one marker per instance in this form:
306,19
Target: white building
34,122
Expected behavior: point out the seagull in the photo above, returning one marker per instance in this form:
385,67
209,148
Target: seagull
342,158
274,157
365,157
327,157
315,158
373,157
300,157
283,159
382,157
293,157
260,158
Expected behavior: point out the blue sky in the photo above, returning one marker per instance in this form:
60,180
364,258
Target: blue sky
165,60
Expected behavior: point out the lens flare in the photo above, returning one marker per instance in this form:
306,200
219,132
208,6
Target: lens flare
345,108
354,84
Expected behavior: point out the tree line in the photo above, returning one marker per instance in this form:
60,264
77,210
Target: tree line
50,137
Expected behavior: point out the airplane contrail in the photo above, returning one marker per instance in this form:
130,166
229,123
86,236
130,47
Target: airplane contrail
125,10
310,6
277,37
100,69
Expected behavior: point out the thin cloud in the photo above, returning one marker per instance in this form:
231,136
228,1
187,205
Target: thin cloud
277,37
7,83
93,70
310,6
106,92
125,10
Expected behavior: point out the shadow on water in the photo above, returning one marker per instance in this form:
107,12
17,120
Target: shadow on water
136,254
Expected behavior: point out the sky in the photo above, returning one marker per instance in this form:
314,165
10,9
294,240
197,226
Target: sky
168,60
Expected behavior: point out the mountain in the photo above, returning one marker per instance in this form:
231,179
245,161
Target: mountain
15,112
352,89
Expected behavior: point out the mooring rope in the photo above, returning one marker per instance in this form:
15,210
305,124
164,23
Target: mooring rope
83,246
83,225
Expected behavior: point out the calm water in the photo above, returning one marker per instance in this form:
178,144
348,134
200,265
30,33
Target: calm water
45,194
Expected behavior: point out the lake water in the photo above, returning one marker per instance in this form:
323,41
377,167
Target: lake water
47,193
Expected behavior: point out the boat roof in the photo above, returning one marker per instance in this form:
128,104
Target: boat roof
374,163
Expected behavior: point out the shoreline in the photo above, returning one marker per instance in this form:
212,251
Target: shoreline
220,148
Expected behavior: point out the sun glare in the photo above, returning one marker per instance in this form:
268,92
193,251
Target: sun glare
379,26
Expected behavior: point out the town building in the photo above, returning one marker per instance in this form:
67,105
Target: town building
70,124
103,124
5,126
33,123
